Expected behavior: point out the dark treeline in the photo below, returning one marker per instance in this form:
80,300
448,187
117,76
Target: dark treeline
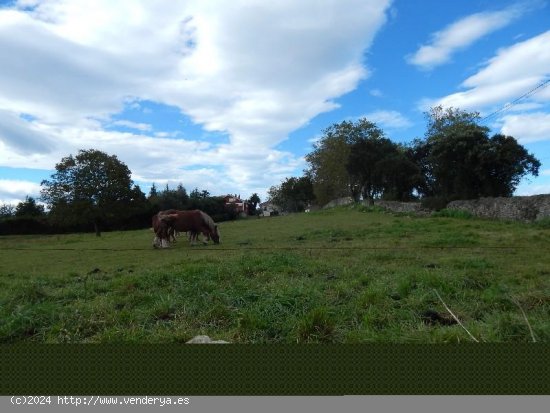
93,191
456,159
198,199
136,215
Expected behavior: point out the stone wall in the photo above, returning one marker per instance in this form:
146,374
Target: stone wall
339,202
395,206
521,208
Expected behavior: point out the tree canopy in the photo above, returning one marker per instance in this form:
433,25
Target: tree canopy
29,208
456,159
460,161
293,194
92,184
357,159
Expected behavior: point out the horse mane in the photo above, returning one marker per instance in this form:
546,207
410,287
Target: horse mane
168,217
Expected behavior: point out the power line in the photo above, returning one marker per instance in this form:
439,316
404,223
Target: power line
514,102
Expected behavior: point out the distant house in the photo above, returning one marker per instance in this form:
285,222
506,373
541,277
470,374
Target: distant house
236,202
268,209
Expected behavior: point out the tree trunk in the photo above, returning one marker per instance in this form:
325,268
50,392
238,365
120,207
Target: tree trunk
96,228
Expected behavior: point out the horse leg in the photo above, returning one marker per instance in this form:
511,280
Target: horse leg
192,237
206,237
162,238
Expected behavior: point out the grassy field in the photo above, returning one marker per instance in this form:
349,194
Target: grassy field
349,275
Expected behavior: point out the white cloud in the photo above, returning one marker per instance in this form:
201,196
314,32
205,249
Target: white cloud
528,127
13,191
254,70
389,119
22,136
376,93
529,59
484,95
507,76
512,72
460,35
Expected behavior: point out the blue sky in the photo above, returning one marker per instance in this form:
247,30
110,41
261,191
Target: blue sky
229,96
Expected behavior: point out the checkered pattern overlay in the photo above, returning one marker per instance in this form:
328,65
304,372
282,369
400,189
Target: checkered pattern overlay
209,369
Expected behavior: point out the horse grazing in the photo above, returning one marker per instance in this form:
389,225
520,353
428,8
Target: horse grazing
194,222
162,232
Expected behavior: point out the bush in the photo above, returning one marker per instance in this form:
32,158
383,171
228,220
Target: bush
435,203
543,223
24,226
453,213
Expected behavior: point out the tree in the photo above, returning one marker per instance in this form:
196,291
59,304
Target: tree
253,202
327,163
398,175
443,121
92,184
181,194
195,194
293,194
460,161
6,211
29,208
357,159
503,164
170,198
368,147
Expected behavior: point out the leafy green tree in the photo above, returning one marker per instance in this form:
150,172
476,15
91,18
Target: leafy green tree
92,185
357,159
505,163
253,202
6,211
460,161
195,194
399,177
368,147
293,194
29,208
444,121
182,196
327,163
170,199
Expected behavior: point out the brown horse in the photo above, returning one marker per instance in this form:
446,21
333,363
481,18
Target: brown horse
162,232
194,222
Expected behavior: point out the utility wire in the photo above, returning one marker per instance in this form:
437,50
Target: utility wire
536,89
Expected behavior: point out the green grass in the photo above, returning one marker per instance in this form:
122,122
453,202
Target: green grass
349,274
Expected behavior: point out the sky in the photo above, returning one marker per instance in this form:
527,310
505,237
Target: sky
229,97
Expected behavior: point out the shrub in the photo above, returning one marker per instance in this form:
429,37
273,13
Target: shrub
435,203
453,213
